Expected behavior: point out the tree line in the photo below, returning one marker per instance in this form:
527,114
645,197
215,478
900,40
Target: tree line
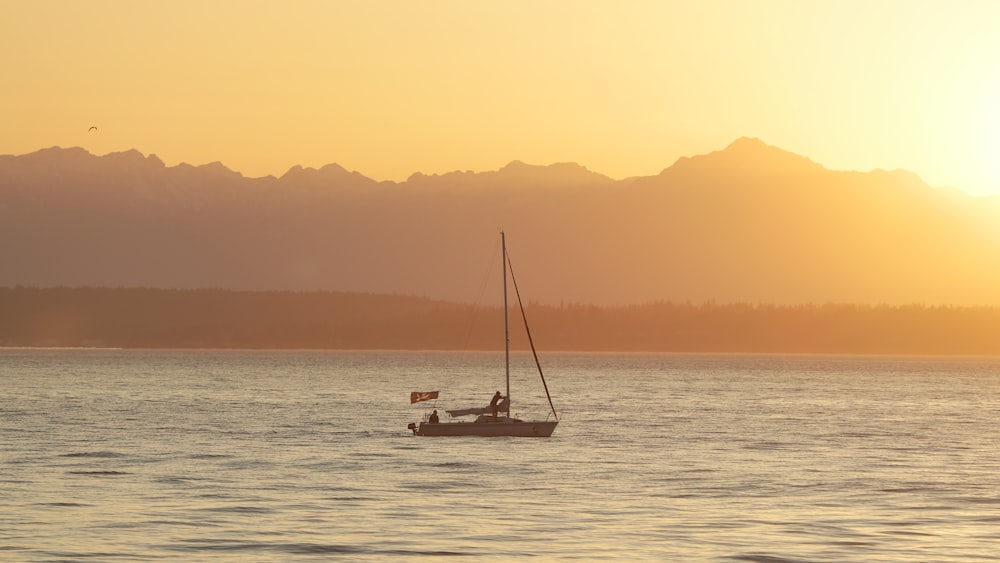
216,318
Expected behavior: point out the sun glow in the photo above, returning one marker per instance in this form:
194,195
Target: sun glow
963,135
988,141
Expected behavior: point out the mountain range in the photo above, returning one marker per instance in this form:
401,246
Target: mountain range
749,223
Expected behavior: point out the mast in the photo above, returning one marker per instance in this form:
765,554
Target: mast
506,326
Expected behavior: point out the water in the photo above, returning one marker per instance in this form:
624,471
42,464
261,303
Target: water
305,456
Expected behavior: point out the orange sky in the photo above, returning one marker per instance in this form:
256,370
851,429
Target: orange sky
392,87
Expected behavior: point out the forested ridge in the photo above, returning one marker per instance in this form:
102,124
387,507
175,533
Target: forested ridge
214,318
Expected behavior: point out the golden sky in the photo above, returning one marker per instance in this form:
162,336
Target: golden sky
393,87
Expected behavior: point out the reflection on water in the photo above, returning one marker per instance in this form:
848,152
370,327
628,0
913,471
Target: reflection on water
262,456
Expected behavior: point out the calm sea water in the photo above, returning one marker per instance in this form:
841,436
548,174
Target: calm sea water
305,456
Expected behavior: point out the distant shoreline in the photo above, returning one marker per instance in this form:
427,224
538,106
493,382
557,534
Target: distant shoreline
211,319
541,354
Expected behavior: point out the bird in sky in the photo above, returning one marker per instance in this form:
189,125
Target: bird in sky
92,128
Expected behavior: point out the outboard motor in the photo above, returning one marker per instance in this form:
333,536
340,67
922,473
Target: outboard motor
412,426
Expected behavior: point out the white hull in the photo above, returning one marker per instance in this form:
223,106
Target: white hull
519,429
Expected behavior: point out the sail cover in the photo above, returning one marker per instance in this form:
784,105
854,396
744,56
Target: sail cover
417,396
501,407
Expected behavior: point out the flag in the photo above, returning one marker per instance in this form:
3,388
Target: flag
417,396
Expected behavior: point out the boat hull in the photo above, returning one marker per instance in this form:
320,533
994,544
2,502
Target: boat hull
519,429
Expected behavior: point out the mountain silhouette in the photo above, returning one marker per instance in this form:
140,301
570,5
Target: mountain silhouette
749,223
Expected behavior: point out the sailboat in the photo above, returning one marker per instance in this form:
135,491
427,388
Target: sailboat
489,421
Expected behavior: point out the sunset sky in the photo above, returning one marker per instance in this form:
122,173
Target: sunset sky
389,88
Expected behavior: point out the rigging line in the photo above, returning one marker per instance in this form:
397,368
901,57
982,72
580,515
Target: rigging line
527,330
479,299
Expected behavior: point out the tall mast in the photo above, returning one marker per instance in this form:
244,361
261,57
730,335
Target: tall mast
506,327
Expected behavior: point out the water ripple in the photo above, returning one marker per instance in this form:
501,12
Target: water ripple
265,456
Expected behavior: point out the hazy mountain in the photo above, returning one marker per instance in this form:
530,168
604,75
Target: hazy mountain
747,223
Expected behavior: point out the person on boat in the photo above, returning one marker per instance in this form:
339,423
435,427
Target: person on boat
433,418
495,403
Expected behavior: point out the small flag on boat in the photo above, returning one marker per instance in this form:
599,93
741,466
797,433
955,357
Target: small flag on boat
417,396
